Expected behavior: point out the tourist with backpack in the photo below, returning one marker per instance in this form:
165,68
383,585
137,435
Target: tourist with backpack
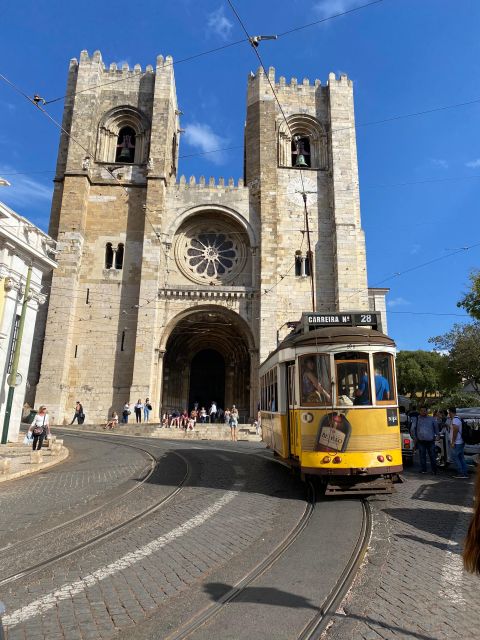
425,432
457,443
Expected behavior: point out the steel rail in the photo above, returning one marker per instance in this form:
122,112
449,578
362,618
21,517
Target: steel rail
149,471
101,536
207,614
317,625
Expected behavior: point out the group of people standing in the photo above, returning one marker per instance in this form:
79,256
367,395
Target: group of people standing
139,408
427,429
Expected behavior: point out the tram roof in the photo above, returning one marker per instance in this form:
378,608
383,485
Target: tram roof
337,335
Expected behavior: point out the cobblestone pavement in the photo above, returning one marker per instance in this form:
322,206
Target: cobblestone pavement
45,499
234,500
412,584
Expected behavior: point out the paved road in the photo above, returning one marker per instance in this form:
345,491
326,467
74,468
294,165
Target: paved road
413,586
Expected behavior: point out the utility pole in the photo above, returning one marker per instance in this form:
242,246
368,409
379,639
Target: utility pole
310,254
16,357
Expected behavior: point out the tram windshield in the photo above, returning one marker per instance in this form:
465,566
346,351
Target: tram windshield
315,380
353,377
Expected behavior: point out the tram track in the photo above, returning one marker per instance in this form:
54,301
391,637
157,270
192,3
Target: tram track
39,566
315,627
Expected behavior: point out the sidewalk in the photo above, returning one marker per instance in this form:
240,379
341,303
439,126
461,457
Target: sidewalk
412,585
16,459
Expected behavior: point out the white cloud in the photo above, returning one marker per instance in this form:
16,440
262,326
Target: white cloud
327,8
23,190
202,137
439,162
219,24
398,302
473,164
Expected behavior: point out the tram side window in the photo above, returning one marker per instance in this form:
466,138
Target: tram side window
269,391
315,381
353,379
384,387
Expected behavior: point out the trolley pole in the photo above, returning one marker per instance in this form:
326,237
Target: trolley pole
16,357
310,255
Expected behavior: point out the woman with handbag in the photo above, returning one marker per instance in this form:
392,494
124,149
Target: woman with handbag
39,428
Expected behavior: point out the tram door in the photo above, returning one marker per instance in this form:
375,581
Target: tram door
293,436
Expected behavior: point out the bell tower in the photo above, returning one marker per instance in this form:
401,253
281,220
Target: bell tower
306,148
112,173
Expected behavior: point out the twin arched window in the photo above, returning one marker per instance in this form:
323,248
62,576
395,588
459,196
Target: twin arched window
114,256
123,136
302,143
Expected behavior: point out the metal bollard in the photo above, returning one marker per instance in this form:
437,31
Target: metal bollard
36,457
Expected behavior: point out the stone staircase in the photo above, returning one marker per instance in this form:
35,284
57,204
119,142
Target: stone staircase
245,432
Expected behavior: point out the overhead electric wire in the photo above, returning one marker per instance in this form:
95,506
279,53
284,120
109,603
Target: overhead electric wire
221,48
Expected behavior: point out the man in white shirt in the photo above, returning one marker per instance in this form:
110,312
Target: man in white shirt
457,445
213,412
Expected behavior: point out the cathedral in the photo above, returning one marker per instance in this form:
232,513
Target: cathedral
177,288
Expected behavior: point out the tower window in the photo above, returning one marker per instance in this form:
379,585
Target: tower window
126,145
301,151
302,264
119,257
108,256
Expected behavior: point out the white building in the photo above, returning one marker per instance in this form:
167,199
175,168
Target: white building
21,244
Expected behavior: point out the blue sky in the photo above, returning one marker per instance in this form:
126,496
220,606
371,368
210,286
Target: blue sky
419,176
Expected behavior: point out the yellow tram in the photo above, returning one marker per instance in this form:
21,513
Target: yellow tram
328,403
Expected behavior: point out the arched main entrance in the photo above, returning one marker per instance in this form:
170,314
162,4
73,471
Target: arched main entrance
208,357
207,379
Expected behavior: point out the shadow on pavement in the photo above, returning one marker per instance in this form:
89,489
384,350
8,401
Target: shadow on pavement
443,546
261,595
403,633
438,522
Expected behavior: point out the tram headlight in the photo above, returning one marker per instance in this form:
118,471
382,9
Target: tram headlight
337,459
380,458
326,459
389,457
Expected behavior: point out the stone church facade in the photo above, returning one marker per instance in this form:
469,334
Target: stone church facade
177,289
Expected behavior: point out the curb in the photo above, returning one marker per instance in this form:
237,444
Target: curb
131,435
63,455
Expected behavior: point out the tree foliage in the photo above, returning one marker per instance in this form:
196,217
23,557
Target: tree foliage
424,372
471,300
462,343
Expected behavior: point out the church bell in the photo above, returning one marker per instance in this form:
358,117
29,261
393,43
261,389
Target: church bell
300,161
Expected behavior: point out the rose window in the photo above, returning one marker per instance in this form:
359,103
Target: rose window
214,254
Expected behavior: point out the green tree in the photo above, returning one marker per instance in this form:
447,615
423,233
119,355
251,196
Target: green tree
471,300
424,372
462,343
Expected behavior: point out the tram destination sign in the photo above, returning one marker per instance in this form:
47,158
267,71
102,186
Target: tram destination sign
313,320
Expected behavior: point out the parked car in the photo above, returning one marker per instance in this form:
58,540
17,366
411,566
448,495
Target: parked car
408,446
471,415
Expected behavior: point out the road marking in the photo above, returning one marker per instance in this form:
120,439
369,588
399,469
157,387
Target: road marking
67,591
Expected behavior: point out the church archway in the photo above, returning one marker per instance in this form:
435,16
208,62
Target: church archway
208,357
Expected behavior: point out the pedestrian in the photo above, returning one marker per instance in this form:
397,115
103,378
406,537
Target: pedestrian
39,428
147,407
425,432
471,549
233,423
126,412
226,416
457,444
203,415
258,427
113,422
138,410
79,415
412,418
175,419
184,419
212,412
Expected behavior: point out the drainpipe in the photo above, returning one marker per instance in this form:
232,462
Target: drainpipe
16,357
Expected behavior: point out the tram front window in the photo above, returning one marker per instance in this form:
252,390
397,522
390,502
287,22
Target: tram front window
353,379
315,381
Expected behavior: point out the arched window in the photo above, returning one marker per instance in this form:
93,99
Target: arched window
126,145
108,255
123,136
174,154
302,143
119,257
